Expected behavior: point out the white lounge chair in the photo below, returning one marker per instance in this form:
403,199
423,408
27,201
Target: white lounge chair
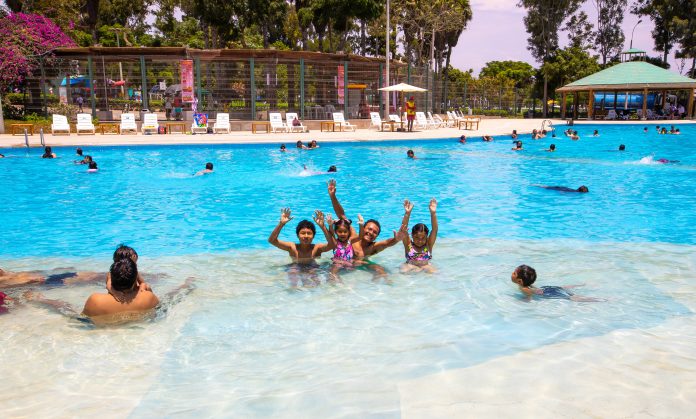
149,123
290,117
432,121
338,119
60,125
128,123
375,120
611,114
441,121
421,120
222,123
200,124
84,124
277,124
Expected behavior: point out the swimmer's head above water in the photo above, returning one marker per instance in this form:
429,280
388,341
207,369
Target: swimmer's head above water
305,231
583,188
124,274
125,252
524,276
371,230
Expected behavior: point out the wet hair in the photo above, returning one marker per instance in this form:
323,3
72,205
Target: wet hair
527,274
305,224
79,151
92,165
124,273
622,147
88,159
282,146
299,143
583,188
332,169
379,227
420,228
342,222
552,147
48,153
125,252
209,166
410,153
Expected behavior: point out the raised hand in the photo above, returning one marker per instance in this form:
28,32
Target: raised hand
329,220
400,234
433,205
332,186
408,206
319,217
285,215
360,219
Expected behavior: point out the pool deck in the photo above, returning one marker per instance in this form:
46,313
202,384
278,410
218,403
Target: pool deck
493,126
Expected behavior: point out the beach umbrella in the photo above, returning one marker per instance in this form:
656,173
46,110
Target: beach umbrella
403,87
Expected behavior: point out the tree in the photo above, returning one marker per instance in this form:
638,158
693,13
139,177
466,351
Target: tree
543,21
662,14
27,39
569,64
580,32
609,36
519,72
685,28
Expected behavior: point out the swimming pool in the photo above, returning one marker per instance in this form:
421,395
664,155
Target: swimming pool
244,343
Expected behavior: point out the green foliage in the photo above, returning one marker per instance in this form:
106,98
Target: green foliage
543,21
569,64
519,72
14,98
609,36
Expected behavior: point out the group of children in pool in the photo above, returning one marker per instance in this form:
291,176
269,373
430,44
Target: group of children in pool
351,248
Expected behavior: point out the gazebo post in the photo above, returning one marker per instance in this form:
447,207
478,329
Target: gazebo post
590,108
691,104
645,104
563,106
576,100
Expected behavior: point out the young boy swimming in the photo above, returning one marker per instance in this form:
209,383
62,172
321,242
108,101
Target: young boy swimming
524,276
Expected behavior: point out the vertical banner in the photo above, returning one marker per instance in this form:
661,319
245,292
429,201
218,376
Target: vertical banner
340,86
186,68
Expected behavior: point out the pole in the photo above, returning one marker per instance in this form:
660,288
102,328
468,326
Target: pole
120,66
92,93
302,92
252,89
634,29
143,80
386,79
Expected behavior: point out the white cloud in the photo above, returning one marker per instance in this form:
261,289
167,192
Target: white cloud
509,6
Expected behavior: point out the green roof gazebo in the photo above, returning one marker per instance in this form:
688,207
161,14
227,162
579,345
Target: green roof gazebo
637,77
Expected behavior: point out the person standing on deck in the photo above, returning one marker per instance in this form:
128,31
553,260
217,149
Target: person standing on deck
410,112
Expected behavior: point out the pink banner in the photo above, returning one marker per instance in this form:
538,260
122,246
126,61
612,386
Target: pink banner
186,67
341,85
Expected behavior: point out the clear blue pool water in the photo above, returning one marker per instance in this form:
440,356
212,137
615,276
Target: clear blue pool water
243,342
146,196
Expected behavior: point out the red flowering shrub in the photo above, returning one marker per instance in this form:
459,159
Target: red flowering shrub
24,37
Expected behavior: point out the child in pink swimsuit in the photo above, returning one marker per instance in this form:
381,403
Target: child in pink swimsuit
419,247
343,254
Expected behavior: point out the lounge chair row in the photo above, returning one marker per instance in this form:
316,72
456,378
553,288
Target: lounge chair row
150,124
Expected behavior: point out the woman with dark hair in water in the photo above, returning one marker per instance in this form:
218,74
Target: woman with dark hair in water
48,153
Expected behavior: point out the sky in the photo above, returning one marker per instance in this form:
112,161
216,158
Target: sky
497,33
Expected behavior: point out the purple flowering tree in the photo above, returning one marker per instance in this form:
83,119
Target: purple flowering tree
26,39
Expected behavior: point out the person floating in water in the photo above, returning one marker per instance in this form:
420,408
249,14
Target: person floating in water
462,139
299,145
524,276
411,155
595,133
304,253
514,134
92,168
645,130
313,144
282,148
622,147
208,169
332,169
419,247
48,153
10,279
487,138
552,148
582,188
3,308
666,161
518,146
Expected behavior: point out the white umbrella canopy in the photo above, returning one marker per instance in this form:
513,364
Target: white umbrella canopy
403,87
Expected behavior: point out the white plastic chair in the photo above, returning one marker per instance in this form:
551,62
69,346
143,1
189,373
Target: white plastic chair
60,125
375,120
84,124
201,129
276,120
222,123
128,123
150,123
339,119
421,120
611,114
290,118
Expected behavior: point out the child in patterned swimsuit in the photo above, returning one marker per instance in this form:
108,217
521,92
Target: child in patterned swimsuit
344,235
524,276
419,247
